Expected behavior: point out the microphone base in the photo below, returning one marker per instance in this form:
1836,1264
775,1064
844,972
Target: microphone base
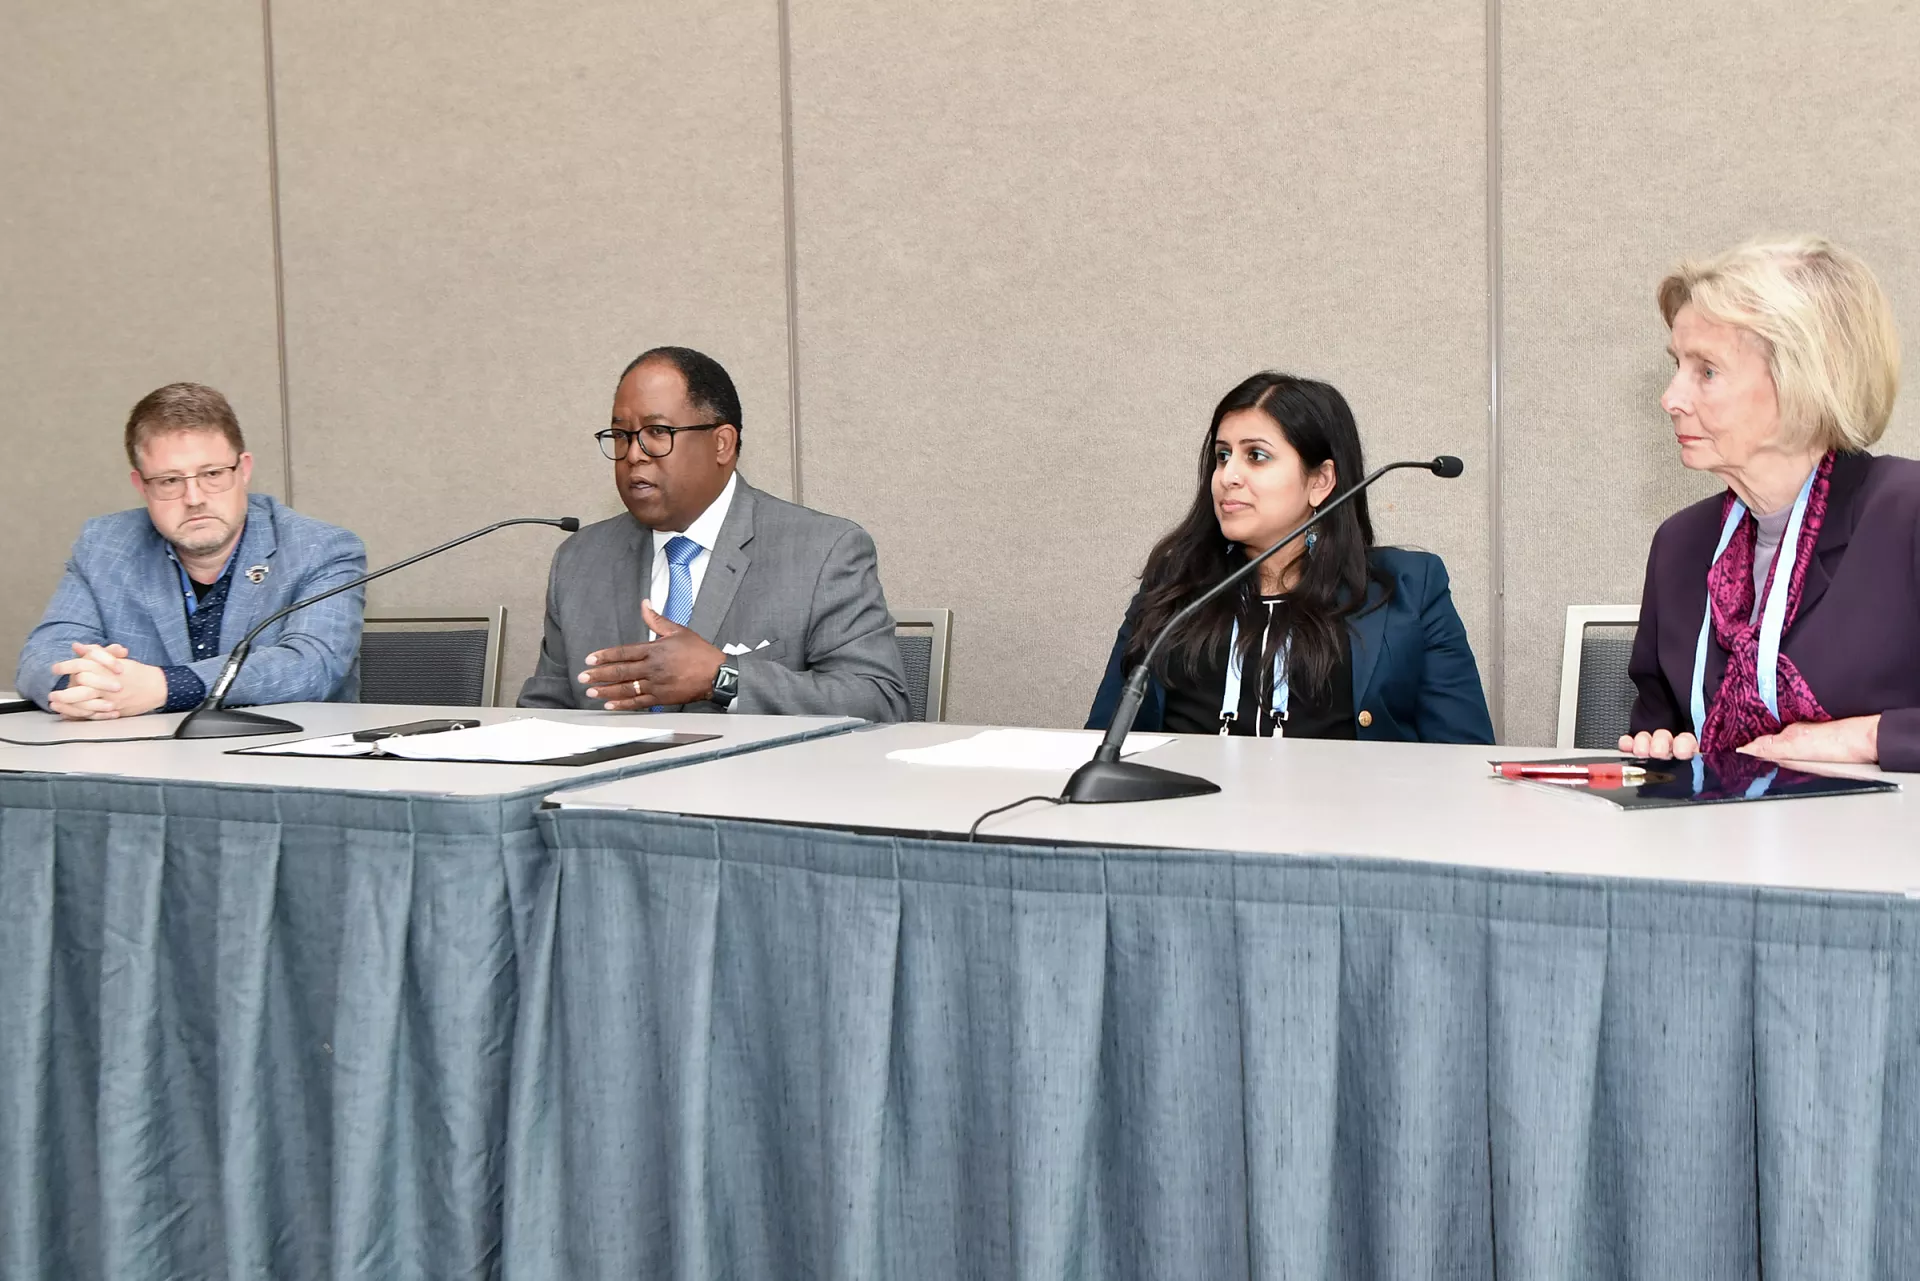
225,722
1108,782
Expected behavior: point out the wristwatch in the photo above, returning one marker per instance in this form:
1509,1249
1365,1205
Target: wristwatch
726,686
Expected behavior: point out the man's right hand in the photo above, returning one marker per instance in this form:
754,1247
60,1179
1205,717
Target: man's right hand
93,676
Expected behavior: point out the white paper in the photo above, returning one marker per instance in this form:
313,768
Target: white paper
519,741
331,745
1027,749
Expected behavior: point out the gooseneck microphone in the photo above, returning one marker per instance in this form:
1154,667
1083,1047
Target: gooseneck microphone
1106,777
211,720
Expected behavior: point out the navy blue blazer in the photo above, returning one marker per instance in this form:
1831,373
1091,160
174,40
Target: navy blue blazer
1414,678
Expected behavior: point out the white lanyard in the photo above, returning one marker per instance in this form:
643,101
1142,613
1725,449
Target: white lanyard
1773,618
1230,697
1755,789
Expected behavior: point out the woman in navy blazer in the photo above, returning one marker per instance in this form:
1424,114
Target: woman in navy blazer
1343,639
1786,366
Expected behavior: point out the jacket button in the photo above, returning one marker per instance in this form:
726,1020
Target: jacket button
1366,718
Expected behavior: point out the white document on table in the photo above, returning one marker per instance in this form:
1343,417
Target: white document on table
331,745
1028,749
520,741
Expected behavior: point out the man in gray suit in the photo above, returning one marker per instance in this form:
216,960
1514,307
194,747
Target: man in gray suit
709,595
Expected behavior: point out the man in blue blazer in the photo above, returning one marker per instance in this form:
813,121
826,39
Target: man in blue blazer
153,599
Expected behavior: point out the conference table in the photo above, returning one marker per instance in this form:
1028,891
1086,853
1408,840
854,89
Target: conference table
757,1007
257,1013
1366,1012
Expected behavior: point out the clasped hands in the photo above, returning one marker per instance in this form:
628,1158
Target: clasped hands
104,684
677,666
1854,740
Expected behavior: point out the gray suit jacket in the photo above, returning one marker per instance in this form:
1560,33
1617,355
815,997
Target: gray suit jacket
806,582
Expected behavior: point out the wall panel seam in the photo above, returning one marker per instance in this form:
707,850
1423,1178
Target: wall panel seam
279,269
1496,335
792,238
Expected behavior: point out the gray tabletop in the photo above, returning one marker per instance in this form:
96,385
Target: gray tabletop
213,761
1420,802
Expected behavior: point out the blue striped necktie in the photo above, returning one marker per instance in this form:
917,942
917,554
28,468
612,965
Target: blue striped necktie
681,553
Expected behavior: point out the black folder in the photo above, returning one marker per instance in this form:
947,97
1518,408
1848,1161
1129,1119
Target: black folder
1712,778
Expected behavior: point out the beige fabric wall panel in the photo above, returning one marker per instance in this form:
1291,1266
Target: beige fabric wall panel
136,249
1634,137
1036,244
487,211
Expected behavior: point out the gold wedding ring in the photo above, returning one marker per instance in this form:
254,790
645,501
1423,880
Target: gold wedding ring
636,689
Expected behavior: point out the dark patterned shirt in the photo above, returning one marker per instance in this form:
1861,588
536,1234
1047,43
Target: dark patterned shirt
205,610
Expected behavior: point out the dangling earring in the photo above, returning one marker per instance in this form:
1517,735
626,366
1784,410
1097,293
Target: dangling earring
1313,535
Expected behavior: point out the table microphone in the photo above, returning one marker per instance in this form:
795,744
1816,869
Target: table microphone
211,720
1106,777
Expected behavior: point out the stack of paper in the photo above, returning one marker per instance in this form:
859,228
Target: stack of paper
521,741
331,745
1028,749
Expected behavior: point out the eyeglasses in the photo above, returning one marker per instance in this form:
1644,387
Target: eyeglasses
212,480
656,439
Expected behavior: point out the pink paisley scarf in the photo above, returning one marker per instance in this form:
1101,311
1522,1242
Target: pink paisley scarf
1737,716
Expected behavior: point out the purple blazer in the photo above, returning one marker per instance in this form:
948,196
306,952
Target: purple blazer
1856,638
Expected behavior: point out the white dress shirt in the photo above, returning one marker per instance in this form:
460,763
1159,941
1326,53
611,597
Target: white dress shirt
705,530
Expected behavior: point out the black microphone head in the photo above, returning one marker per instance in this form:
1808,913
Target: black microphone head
572,523
1446,466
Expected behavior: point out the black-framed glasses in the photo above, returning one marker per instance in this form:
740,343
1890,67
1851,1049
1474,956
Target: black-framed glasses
212,480
656,439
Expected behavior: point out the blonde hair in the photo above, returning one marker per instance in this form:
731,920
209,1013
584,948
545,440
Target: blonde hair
1828,329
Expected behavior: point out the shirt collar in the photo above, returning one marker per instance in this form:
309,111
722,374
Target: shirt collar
225,565
705,529
186,579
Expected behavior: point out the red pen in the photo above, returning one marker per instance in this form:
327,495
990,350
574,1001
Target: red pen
1607,775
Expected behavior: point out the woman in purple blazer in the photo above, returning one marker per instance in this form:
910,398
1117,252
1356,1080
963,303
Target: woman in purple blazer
1786,366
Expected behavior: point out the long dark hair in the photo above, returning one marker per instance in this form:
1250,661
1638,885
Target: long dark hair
1316,421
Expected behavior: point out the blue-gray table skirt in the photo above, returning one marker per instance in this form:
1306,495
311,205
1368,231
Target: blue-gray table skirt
288,1035
775,1053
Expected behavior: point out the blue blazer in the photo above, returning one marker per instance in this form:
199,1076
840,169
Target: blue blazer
1413,672
121,586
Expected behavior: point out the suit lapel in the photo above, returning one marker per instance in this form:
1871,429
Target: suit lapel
1682,596
630,625
247,601
1836,530
727,566
1369,629
165,606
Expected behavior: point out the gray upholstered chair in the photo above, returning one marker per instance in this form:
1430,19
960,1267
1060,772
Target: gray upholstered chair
1596,695
923,636
440,658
